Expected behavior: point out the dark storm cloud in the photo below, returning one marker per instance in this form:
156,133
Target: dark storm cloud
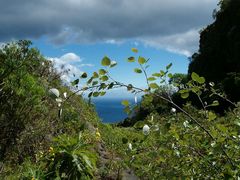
89,21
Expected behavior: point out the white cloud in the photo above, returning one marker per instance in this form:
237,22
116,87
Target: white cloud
92,21
182,43
68,63
70,57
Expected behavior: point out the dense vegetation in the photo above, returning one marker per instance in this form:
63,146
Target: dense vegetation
218,56
50,132
30,119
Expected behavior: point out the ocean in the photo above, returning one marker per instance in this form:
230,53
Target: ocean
110,110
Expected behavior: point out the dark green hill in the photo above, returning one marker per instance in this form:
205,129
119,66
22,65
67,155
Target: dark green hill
218,58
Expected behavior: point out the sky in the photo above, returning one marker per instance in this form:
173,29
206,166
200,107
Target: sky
79,33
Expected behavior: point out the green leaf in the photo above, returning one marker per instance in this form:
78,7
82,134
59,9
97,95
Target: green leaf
170,75
106,61
131,59
195,89
141,60
102,86
135,50
162,73
90,80
84,75
75,82
151,79
95,94
184,95
215,103
102,71
169,66
127,110
95,75
153,85
156,74
211,116
195,76
94,83
104,78
110,85
201,80
222,128
102,93
139,125
137,70
125,103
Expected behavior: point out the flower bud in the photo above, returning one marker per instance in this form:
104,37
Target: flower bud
146,129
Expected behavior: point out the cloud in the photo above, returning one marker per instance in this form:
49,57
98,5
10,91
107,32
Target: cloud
91,21
71,57
69,66
182,43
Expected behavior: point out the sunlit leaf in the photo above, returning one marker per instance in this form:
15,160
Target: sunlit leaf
104,78
95,75
125,102
156,74
102,71
141,60
137,70
135,50
153,85
151,79
106,61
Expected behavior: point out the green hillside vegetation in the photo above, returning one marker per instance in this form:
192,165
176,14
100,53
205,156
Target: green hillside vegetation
218,56
51,132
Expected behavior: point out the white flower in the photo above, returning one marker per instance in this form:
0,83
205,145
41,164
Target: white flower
177,153
65,94
211,84
59,104
213,144
185,124
146,129
54,92
130,146
59,100
60,113
135,99
173,110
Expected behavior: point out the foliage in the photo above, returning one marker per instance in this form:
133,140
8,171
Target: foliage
189,143
70,158
218,55
31,117
39,131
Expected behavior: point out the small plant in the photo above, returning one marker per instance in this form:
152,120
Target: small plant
70,158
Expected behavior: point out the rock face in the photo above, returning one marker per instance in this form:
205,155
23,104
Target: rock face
218,58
